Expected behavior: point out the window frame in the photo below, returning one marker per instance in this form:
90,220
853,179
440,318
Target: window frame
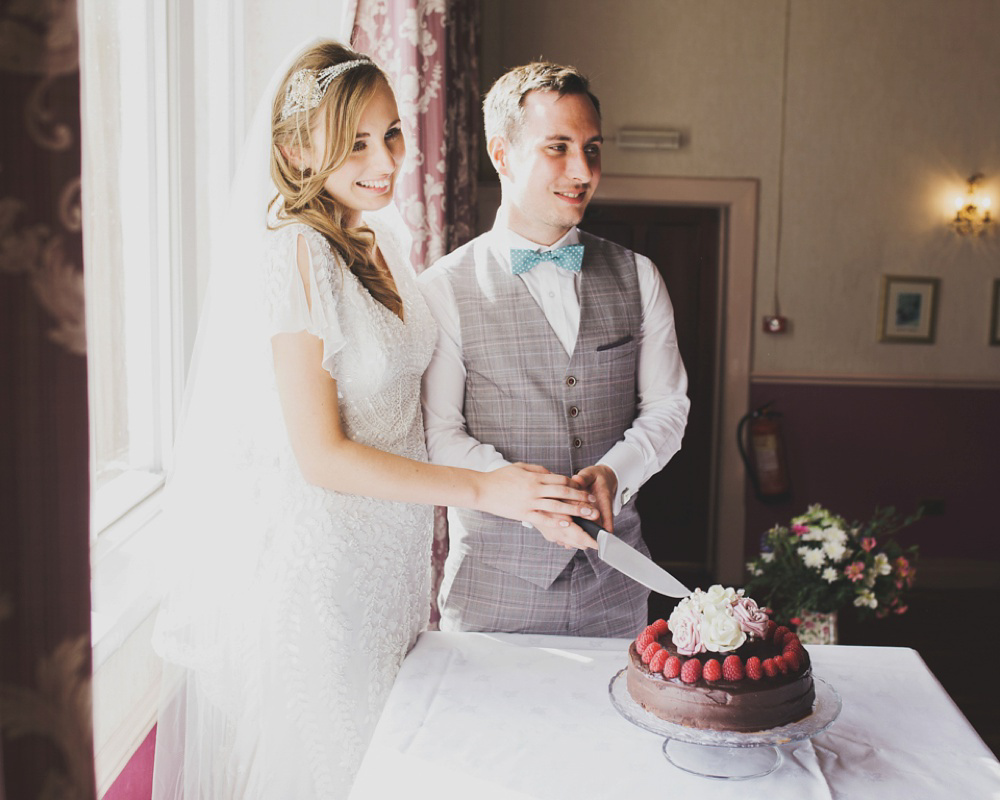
186,67
213,55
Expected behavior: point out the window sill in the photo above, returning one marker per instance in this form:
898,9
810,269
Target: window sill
124,599
124,586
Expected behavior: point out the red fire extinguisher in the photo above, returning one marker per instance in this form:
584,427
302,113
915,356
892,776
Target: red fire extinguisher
767,464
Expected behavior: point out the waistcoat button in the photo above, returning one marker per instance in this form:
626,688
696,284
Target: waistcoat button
571,381
577,442
574,411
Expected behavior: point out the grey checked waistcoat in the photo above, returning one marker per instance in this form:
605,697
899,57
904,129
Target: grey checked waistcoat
530,400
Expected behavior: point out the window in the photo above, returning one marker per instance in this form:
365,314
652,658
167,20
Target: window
128,254
165,84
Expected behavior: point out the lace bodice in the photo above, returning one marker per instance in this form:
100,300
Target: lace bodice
378,375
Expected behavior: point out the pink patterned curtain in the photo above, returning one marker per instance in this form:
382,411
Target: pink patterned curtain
45,715
429,48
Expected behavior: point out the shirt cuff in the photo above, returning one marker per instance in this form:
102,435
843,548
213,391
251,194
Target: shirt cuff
622,460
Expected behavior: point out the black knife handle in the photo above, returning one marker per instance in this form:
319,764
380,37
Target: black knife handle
590,527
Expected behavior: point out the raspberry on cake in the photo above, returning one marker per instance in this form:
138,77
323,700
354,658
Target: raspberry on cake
720,663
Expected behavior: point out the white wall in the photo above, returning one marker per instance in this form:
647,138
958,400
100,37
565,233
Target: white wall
891,104
273,29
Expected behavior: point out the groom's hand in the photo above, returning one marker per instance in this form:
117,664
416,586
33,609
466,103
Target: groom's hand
602,483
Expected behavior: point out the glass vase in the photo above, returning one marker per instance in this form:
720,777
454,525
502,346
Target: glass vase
818,627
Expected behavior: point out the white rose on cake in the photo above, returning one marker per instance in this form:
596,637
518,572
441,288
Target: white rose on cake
720,630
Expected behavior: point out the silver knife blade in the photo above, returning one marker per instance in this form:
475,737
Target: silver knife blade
629,561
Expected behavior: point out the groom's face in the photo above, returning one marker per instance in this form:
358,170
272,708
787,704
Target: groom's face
552,167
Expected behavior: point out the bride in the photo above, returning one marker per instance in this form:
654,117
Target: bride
299,511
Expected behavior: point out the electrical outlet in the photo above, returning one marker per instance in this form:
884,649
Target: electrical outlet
775,324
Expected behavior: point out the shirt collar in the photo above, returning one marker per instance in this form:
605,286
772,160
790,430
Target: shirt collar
505,240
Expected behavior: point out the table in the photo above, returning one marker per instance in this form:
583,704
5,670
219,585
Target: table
505,716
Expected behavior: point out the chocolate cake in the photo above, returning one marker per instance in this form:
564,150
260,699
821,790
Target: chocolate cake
720,663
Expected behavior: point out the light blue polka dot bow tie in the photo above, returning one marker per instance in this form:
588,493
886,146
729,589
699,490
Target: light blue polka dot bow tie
569,257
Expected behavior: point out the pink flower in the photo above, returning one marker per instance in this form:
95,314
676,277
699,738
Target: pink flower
796,621
901,609
868,544
685,626
855,572
751,618
800,530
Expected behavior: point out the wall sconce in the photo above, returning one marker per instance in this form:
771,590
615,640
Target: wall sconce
972,212
632,139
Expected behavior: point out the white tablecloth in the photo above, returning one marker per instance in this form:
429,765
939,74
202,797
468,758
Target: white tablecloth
489,716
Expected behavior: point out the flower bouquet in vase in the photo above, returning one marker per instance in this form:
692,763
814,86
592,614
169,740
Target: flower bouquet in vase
818,565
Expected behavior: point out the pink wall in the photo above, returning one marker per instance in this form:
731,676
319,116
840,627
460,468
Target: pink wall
853,448
136,781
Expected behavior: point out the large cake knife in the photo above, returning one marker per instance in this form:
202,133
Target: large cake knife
629,561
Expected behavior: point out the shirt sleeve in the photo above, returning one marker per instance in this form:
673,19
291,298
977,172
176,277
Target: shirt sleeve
655,434
289,310
443,390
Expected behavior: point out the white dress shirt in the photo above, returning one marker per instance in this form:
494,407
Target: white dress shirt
655,434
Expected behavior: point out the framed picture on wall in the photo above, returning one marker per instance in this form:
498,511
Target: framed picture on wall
908,309
995,316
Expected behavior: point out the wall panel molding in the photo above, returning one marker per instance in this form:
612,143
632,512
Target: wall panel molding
876,381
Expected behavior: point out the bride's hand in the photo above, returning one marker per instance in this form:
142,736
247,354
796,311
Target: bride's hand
545,500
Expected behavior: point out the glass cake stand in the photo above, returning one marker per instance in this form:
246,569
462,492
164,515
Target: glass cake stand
727,755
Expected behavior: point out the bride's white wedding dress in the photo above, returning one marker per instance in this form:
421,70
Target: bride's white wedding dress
285,670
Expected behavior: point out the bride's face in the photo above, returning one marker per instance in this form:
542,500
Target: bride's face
367,179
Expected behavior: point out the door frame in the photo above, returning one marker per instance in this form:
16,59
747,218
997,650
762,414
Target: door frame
737,198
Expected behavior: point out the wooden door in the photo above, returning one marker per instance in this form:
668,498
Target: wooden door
683,242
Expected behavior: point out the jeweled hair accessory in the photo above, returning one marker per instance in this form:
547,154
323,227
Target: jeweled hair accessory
307,86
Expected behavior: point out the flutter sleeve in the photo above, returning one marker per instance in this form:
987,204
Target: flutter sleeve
289,310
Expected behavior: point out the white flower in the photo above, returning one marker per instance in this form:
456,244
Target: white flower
814,535
811,557
866,598
767,558
830,574
836,535
835,550
882,565
720,630
719,597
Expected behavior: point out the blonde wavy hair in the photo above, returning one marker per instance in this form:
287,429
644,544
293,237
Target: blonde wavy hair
301,190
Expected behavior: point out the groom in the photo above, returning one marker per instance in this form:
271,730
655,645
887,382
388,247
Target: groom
556,348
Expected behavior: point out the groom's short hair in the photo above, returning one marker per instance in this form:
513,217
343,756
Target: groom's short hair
503,107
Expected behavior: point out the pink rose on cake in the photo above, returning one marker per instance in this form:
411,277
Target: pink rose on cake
751,617
685,627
